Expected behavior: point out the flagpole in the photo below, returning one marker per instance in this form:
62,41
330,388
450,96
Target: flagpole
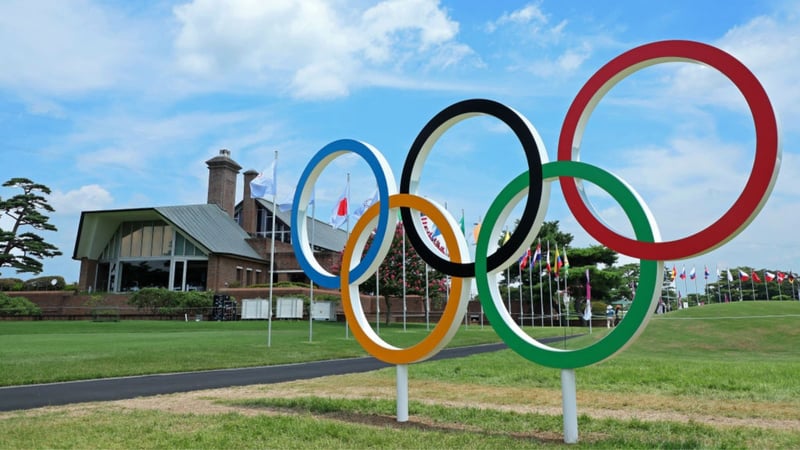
549,284
404,279
558,288
766,291
530,288
427,302
521,288
311,286
272,251
347,231
541,283
378,300
741,296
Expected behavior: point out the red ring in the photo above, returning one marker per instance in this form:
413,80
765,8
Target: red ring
758,186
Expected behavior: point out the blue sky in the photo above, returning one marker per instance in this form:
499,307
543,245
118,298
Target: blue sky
119,104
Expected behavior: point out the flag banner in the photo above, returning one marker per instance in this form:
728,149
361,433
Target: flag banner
523,261
365,205
587,310
769,276
264,183
566,262
781,277
461,224
683,273
756,277
433,234
558,260
673,274
548,258
339,213
475,232
730,277
537,255
743,276
692,274
706,274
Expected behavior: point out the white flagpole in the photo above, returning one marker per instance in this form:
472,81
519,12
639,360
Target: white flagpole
272,251
427,302
378,300
347,228
541,283
550,284
404,279
311,288
530,287
558,287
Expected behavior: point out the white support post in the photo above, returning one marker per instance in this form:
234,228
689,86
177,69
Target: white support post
402,393
569,404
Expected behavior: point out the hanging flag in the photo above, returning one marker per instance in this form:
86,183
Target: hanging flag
674,273
433,233
537,255
587,312
264,183
588,286
791,277
558,260
461,224
365,205
683,273
755,277
781,277
743,276
692,275
769,276
730,277
506,237
566,262
548,257
706,274
339,213
523,261
475,231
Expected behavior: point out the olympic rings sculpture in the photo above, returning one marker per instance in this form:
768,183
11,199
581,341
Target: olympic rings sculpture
534,185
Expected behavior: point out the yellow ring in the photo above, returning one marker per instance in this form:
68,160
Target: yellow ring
456,306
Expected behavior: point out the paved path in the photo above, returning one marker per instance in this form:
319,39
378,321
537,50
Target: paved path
106,389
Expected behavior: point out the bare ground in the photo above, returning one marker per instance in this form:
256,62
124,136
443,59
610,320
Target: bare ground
598,405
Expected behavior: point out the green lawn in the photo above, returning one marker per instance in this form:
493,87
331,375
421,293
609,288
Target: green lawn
732,369
49,351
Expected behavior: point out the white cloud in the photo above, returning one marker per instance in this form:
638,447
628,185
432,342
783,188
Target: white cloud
85,198
63,47
770,47
308,47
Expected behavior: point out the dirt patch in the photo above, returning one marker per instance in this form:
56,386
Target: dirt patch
598,405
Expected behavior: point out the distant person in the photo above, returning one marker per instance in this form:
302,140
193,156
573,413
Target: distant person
617,315
661,308
609,316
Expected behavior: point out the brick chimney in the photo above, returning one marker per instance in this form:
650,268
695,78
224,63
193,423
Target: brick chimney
249,204
222,172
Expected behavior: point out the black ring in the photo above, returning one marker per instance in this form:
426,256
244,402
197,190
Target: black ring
447,117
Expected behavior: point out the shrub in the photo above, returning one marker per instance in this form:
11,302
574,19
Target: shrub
17,306
47,283
170,302
11,284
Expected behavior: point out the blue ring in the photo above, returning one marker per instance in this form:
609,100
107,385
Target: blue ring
323,157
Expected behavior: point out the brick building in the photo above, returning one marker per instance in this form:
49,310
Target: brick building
196,247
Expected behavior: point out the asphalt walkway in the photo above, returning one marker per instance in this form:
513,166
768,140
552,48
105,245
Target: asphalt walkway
106,389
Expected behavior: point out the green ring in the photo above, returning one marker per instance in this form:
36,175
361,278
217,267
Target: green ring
637,316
